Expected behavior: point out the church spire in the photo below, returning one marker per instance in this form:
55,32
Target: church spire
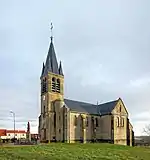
60,69
51,31
51,64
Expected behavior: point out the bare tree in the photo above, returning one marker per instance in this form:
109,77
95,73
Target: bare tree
147,129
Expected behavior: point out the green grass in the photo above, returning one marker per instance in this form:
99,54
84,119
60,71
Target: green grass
74,152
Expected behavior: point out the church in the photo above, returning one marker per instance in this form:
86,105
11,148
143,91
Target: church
71,121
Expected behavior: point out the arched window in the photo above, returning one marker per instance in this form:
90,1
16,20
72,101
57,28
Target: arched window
96,119
120,108
92,119
117,121
54,120
87,121
44,134
82,122
58,85
122,122
112,122
75,120
52,108
53,84
44,111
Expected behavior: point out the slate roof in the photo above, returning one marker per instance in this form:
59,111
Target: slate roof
60,69
106,108
83,107
51,64
43,69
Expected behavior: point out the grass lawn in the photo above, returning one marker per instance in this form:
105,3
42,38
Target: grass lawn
74,152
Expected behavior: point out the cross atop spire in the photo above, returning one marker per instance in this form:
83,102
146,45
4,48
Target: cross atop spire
51,64
51,31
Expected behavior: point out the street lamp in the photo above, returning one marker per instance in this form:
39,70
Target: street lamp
14,123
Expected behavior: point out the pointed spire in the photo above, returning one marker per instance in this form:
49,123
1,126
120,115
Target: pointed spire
60,69
51,31
43,69
51,64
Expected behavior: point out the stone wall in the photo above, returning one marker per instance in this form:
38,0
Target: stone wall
120,123
97,128
50,130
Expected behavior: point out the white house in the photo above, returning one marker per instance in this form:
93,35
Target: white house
9,134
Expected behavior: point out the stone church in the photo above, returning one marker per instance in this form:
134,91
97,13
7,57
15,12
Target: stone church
66,120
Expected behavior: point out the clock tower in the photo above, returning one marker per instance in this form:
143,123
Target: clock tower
52,89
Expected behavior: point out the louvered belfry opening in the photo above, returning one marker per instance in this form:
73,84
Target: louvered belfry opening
58,85
53,84
44,85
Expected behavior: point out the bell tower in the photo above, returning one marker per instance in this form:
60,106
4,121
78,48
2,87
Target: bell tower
52,89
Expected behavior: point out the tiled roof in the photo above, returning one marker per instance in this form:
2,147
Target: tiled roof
82,107
16,131
2,132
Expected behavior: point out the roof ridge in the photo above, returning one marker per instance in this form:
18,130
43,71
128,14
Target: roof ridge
109,102
91,103
79,101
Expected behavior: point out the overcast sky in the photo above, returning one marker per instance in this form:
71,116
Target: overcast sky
104,47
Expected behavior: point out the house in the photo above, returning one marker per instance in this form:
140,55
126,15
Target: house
9,134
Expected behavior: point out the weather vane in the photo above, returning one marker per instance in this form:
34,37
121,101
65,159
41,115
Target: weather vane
51,31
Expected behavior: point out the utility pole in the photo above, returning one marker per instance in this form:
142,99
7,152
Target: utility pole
14,123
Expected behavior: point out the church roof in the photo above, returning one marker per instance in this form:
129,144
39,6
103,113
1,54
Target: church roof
43,69
51,64
82,107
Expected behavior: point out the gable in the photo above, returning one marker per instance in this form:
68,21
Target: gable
120,108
